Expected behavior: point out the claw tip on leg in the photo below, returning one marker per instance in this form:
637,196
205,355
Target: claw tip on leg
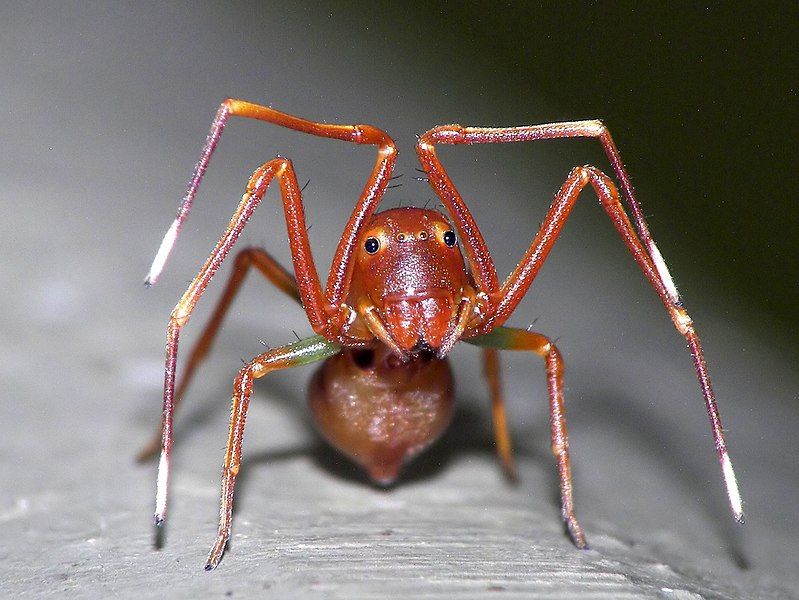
576,533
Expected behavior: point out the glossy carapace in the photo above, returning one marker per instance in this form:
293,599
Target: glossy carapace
410,269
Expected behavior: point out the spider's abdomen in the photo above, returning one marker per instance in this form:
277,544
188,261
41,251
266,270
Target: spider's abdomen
379,411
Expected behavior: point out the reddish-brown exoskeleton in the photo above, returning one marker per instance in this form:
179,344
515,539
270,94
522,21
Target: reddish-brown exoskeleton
399,295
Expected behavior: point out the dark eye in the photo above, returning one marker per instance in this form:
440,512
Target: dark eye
371,245
449,238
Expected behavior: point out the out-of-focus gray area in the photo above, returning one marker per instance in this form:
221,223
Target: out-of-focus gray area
104,108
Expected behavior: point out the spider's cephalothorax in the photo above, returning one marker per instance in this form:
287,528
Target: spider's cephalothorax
409,280
399,295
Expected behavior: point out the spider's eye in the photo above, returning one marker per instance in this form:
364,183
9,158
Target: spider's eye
371,245
449,238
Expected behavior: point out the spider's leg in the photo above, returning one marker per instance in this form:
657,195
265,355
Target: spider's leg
249,257
636,236
520,279
308,283
491,369
506,338
299,353
457,134
477,253
654,268
231,107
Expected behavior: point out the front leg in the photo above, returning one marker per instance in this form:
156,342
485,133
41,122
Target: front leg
356,134
299,353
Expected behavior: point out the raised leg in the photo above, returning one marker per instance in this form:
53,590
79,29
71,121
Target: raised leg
249,257
637,238
491,369
506,338
299,353
356,134
476,249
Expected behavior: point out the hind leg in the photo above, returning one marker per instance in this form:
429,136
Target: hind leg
491,370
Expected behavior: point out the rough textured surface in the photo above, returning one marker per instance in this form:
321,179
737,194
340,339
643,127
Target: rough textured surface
105,110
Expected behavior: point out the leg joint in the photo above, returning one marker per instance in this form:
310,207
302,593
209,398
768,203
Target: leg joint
682,321
281,164
245,256
596,127
243,383
180,315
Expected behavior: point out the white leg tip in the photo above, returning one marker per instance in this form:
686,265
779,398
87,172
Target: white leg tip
163,253
663,271
161,489
734,496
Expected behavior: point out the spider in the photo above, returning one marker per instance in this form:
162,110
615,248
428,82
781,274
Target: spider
399,295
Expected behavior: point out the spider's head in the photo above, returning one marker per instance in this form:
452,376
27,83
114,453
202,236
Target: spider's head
410,272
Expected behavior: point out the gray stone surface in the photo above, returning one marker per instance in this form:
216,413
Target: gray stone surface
104,110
